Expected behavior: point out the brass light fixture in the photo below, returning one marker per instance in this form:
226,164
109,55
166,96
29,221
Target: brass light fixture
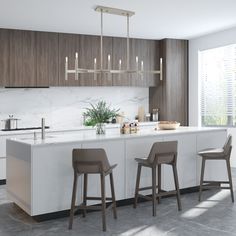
139,70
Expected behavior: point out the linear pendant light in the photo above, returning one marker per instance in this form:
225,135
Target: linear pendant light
139,70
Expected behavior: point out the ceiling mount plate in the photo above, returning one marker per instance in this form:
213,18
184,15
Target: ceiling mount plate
114,11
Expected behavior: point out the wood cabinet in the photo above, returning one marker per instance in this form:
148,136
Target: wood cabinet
106,79
69,44
146,51
119,52
89,50
4,59
31,58
171,94
46,59
37,59
22,59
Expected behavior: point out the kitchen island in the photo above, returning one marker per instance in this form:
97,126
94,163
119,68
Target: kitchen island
40,174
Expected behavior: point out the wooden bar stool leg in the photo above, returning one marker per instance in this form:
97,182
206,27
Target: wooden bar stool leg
154,197
177,186
85,193
159,183
103,202
113,196
72,209
201,178
230,179
137,185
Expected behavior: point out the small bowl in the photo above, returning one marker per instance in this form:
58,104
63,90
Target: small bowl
168,125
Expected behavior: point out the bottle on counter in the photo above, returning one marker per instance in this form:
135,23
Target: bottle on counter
141,114
147,117
155,114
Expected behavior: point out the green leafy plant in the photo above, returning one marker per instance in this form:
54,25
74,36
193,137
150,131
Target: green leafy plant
100,113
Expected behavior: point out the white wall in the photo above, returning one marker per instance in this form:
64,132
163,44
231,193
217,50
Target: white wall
63,107
195,45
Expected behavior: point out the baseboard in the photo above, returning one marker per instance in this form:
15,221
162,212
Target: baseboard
125,202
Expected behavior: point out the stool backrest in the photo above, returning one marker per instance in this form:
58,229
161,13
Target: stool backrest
228,145
90,160
163,152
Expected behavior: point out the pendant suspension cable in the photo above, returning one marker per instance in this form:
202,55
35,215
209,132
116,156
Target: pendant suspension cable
101,40
127,41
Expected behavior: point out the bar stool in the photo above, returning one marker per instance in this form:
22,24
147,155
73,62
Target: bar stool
217,154
161,153
92,161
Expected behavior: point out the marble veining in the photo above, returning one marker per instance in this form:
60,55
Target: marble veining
63,107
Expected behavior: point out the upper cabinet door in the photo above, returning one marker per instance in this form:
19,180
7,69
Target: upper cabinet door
47,59
152,62
69,44
22,59
119,58
105,79
4,56
89,50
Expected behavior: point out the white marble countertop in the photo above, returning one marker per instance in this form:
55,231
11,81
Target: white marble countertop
68,129
90,135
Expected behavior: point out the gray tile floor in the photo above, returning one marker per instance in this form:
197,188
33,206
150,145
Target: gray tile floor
216,215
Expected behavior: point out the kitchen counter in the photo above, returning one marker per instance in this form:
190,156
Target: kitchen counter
89,135
40,174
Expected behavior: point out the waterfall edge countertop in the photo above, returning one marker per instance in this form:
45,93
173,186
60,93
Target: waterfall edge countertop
90,135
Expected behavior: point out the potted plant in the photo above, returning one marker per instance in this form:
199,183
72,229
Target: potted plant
99,114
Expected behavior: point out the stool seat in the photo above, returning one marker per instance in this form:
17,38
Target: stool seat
161,153
217,154
143,161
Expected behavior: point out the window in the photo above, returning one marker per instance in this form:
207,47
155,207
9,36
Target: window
218,86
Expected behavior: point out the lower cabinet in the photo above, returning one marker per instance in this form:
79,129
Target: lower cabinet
186,162
137,148
215,169
116,155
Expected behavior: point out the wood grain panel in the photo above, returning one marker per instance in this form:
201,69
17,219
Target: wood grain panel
152,62
4,56
69,44
137,49
47,59
106,79
89,49
22,59
171,95
119,50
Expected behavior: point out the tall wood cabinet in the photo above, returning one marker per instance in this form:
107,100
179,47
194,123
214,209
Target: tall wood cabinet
4,58
171,94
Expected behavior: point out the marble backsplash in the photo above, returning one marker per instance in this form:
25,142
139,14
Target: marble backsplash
63,107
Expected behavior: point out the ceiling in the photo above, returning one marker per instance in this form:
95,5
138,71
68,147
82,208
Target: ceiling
154,19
